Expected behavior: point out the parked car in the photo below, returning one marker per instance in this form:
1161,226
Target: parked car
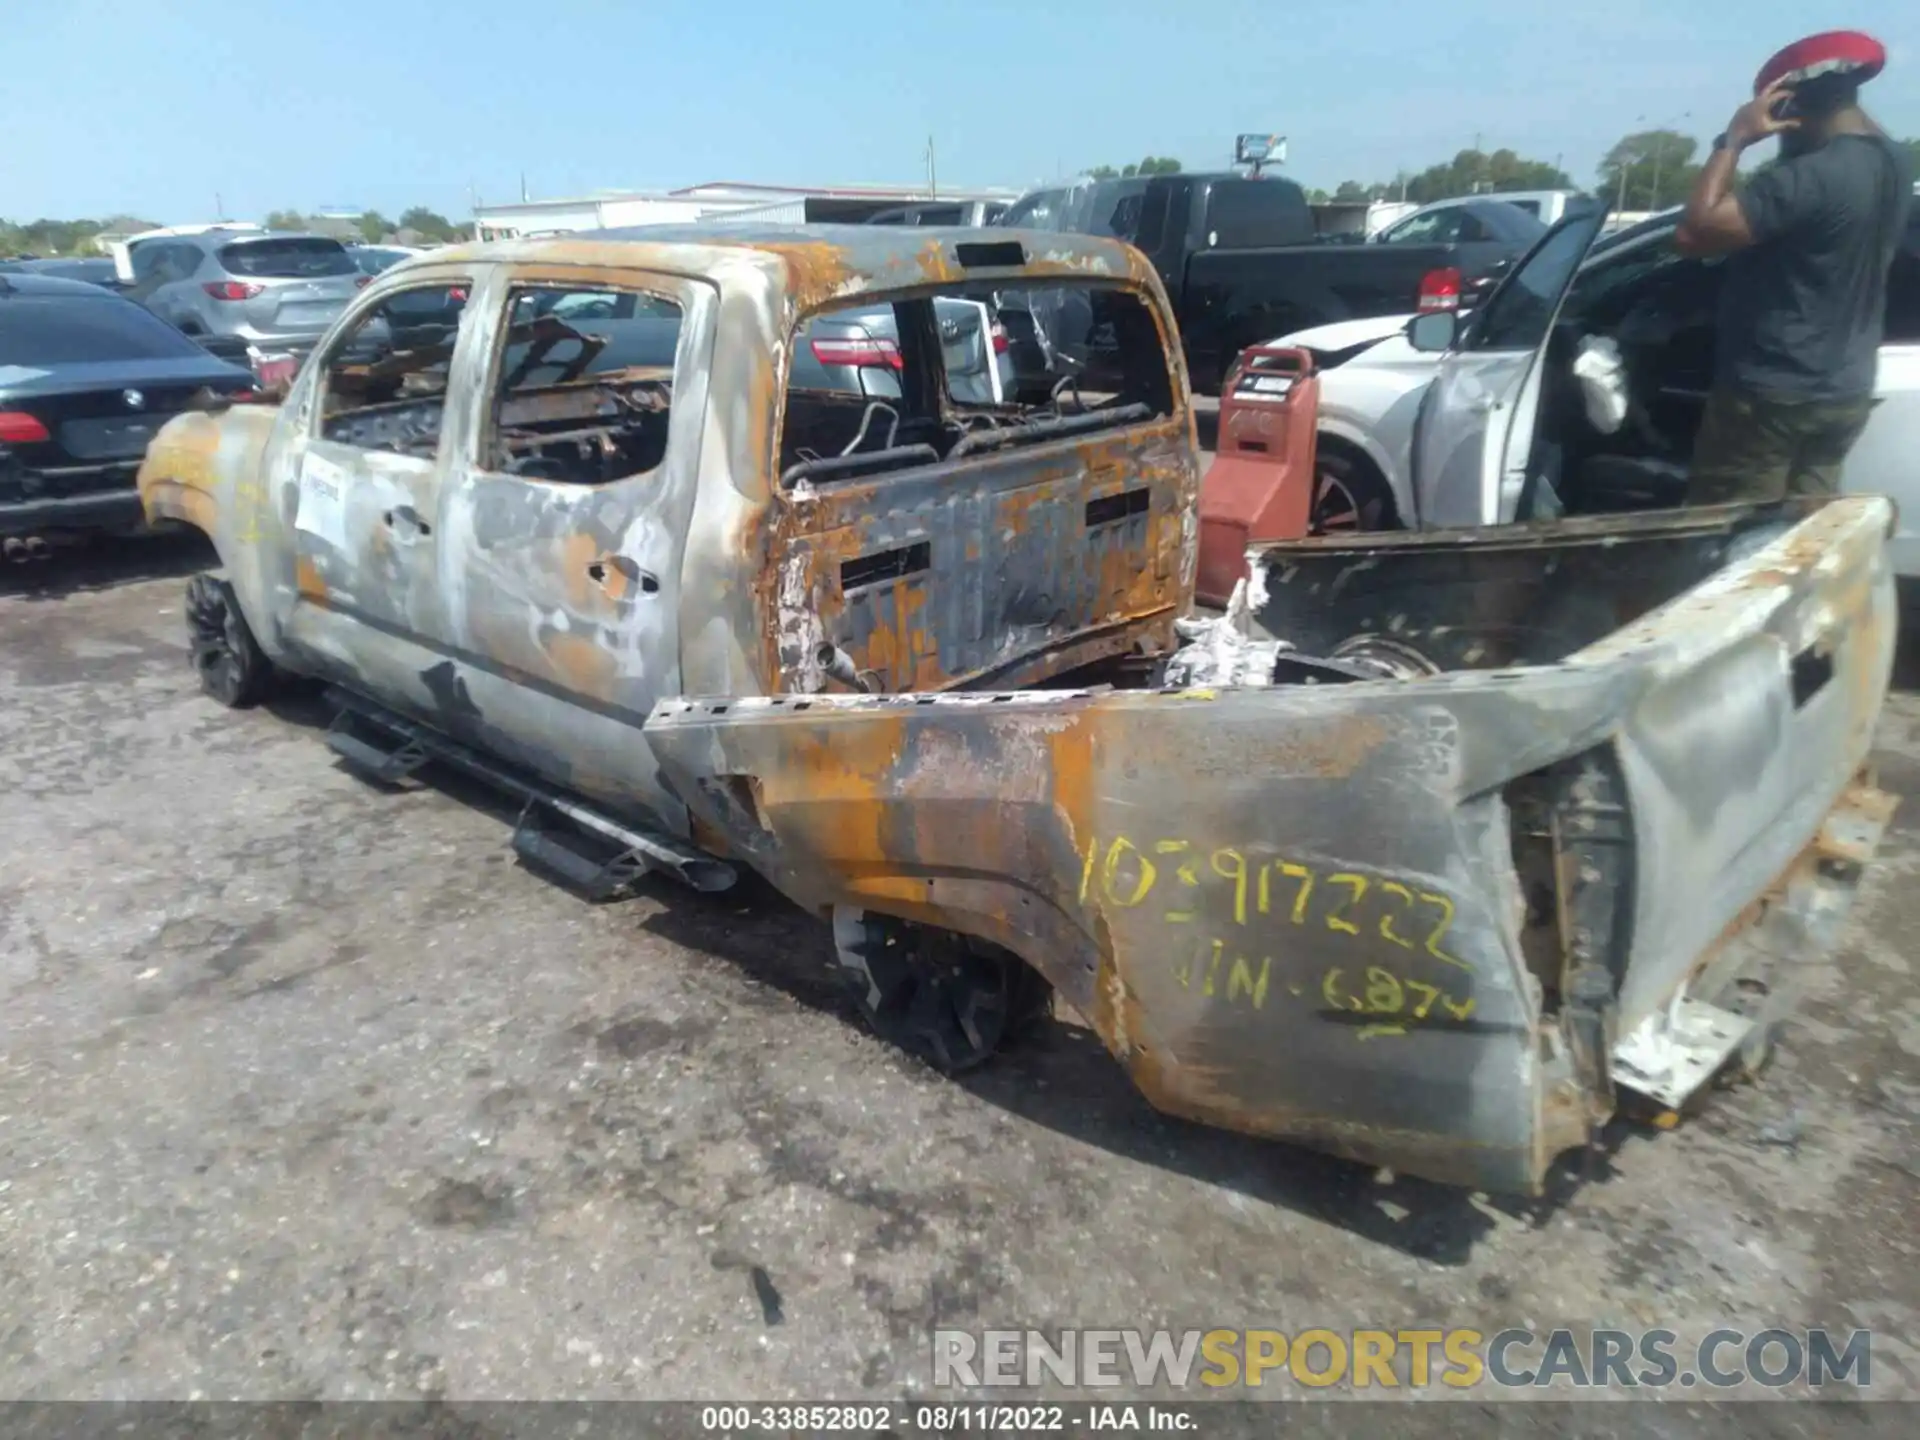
1549,207
1490,233
1421,887
941,212
1241,259
95,271
123,250
858,351
1659,307
246,292
86,380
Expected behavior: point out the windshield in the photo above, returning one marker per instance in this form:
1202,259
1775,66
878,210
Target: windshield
296,257
1038,211
372,260
41,330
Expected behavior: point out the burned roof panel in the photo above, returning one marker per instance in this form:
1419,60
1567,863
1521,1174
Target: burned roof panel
827,262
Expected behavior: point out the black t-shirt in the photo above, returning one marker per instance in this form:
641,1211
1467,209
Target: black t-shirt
1803,307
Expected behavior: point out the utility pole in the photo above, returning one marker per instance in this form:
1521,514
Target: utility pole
933,191
1659,154
219,210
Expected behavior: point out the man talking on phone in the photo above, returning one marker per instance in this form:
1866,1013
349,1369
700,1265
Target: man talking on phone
1810,239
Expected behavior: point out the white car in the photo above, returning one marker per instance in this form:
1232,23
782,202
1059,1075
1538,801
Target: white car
1445,419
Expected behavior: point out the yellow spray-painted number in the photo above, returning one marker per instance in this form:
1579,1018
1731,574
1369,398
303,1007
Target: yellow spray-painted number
1348,903
1395,1000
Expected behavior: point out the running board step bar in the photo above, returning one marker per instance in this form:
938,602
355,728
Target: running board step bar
600,850
595,867
388,765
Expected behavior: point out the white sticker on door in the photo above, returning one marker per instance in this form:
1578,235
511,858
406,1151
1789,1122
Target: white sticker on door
323,502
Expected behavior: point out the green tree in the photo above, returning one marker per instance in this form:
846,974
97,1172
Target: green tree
286,220
64,237
374,227
1352,190
1152,165
429,225
1649,170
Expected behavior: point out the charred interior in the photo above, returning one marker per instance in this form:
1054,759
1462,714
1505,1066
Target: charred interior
580,392
963,371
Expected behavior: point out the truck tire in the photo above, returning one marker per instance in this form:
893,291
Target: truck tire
1349,494
949,999
231,666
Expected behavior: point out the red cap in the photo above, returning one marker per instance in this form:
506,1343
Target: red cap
1858,56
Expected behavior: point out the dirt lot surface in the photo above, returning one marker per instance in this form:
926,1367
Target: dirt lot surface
307,1089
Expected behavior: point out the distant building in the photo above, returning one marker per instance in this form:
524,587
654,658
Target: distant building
773,204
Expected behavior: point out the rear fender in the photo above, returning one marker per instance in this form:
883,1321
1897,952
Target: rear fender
1286,911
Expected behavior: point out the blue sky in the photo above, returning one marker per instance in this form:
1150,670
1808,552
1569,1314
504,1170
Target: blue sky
154,108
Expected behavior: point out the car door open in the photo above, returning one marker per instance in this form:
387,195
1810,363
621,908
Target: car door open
1474,436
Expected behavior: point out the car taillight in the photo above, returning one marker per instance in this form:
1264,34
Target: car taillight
231,289
19,428
275,371
457,293
1000,341
1440,290
362,281
860,352
244,397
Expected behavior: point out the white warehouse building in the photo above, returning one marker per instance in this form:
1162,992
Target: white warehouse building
772,204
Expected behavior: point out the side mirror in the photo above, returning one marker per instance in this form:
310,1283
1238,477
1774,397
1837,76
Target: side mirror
1433,332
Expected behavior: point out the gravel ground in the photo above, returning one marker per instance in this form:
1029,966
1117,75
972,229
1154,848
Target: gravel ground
308,1090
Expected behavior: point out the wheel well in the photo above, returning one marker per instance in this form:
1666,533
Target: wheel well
1363,469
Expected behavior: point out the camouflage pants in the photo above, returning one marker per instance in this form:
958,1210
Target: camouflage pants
1754,448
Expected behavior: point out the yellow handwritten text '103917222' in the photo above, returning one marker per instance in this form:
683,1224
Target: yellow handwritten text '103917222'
1219,904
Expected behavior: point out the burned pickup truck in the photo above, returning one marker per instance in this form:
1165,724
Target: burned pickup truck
1417,854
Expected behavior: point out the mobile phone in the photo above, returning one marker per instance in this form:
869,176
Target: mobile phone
1787,107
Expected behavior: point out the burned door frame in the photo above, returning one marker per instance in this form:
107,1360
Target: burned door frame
364,610
980,515
560,623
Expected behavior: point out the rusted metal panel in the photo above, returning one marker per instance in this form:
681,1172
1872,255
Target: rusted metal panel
1299,911
1005,560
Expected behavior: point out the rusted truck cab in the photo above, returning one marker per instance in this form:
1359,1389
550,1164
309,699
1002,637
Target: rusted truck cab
522,492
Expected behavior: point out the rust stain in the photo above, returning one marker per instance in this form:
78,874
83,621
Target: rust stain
816,271
307,579
582,664
579,552
831,791
934,266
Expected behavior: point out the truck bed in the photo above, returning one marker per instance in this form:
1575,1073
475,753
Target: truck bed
1434,842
